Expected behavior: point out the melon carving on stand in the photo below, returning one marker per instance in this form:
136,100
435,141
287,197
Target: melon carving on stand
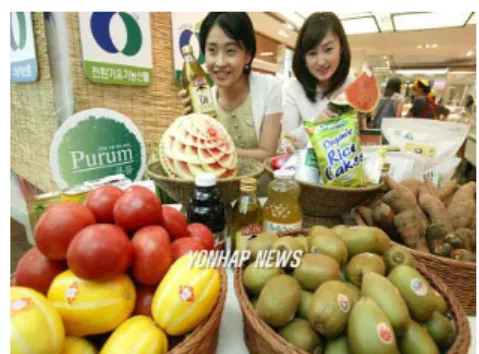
197,143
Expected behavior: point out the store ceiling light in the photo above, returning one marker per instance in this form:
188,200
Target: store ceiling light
362,25
266,54
434,45
429,20
409,72
283,34
419,46
469,53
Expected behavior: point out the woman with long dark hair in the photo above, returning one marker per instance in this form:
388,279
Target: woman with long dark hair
321,65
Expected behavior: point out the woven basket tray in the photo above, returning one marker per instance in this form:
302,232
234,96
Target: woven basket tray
321,201
180,190
262,339
460,277
204,339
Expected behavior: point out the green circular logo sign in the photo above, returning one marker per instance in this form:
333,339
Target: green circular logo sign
22,29
96,143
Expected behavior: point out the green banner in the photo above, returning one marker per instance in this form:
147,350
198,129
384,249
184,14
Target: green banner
107,73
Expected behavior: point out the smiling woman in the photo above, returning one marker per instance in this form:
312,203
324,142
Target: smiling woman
321,65
248,104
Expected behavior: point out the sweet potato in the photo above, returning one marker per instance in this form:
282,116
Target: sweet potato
366,214
410,227
401,200
436,211
463,255
468,236
393,184
462,208
383,214
412,185
437,231
447,190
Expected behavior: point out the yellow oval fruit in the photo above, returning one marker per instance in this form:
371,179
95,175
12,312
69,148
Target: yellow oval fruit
138,334
76,345
185,296
88,307
35,326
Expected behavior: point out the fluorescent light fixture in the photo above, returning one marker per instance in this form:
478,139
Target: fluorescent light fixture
266,54
428,46
293,17
283,34
289,26
385,56
409,72
419,46
469,53
434,45
472,20
428,20
361,25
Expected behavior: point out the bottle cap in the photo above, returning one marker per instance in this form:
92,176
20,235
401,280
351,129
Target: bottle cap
187,49
205,180
283,174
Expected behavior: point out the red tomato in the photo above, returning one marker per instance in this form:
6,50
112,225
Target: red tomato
101,202
100,252
144,298
57,227
36,271
152,255
136,208
203,234
174,222
184,245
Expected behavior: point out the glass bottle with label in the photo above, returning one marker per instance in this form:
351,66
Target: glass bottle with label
282,211
247,215
208,208
196,83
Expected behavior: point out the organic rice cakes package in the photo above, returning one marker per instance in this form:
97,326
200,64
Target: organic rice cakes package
337,146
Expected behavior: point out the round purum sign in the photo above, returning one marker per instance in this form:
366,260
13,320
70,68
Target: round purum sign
96,143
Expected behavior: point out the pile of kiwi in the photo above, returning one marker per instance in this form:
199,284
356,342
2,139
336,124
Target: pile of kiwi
352,292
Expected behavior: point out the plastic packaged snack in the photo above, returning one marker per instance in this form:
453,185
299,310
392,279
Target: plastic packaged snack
338,150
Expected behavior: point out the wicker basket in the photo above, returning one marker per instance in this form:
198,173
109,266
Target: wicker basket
262,339
204,339
321,201
460,277
180,190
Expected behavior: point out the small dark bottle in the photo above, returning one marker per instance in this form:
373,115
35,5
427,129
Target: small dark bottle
208,208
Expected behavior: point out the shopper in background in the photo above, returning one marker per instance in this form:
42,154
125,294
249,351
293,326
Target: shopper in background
248,104
469,106
442,111
321,64
424,106
390,105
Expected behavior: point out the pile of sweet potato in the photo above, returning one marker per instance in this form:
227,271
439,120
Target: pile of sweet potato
440,221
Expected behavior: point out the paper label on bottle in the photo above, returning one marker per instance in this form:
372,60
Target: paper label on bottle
278,227
201,97
244,235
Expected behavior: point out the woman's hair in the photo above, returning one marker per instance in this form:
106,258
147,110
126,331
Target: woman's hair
236,25
311,34
393,86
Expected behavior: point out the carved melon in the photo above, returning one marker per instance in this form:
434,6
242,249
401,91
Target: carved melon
197,143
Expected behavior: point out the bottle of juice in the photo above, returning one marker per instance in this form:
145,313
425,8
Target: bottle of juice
247,215
208,208
195,81
282,211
